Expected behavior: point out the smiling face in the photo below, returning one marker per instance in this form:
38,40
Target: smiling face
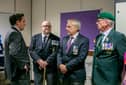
46,27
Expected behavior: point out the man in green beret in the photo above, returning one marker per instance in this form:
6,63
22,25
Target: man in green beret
110,46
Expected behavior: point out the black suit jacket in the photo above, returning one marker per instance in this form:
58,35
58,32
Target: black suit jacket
16,54
47,52
74,59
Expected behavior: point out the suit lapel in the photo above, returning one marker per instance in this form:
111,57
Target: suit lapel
110,34
15,29
40,41
65,40
75,42
48,42
97,48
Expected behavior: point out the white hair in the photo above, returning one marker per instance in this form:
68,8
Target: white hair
75,22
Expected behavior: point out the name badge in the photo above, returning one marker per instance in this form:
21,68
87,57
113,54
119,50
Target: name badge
75,50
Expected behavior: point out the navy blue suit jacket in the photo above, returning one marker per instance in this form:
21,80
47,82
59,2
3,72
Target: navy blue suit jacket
74,59
47,52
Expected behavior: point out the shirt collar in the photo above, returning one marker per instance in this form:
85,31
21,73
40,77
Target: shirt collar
75,35
17,28
107,32
43,35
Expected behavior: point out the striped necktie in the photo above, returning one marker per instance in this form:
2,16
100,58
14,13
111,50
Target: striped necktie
69,43
101,36
99,44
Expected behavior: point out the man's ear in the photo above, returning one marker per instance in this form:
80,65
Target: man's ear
17,22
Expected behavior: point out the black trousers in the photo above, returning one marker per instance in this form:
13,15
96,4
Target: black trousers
22,78
69,81
20,82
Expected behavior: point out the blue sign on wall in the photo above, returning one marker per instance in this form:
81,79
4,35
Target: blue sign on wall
1,46
1,53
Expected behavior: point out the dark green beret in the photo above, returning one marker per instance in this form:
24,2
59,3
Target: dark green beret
106,15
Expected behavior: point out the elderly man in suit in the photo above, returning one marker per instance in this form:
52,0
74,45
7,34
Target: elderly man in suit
110,46
16,55
43,50
72,55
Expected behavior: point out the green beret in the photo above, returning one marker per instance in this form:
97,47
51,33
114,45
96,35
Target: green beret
106,15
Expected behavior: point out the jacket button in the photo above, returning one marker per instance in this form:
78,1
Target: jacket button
96,66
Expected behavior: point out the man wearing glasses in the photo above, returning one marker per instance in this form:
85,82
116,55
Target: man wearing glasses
43,49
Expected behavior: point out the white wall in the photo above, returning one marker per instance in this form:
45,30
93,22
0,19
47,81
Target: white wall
121,17
55,7
4,25
105,5
38,15
8,7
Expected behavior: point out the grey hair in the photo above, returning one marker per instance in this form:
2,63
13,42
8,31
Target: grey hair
75,22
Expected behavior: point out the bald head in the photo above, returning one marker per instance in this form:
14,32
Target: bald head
46,27
45,23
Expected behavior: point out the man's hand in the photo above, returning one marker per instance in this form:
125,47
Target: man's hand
26,68
63,68
42,64
45,64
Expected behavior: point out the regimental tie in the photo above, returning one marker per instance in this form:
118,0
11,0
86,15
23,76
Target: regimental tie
99,43
69,43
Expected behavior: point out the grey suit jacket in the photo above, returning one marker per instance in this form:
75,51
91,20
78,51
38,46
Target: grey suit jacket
16,54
